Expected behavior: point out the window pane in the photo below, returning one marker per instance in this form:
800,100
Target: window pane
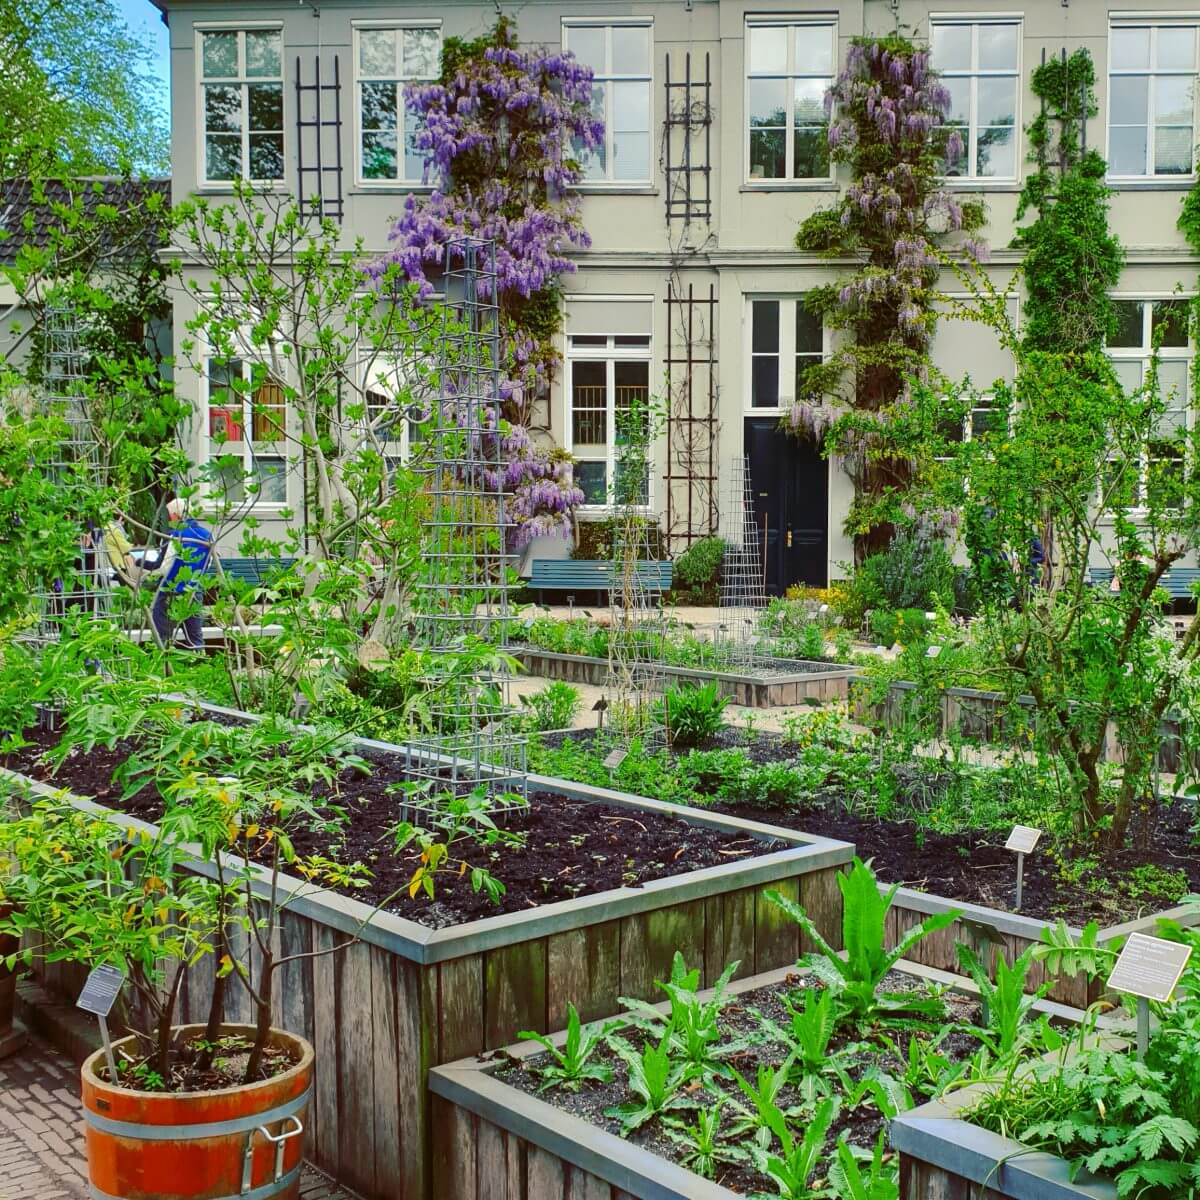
631,156
768,49
422,53
589,402
630,339
379,155
633,491
956,163
1169,322
808,331
810,102
266,156
1129,46
267,413
987,421
1173,150
220,52
1130,329
1172,100
586,42
996,157
379,105
266,106
1127,99
764,382
1172,380
377,52
767,154
997,47
1129,374
414,159
592,480
764,337
594,162
631,107
810,155
768,102
222,108
997,103
952,47
223,156
960,101
227,474
814,50
589,339
631,50
1176,49
1164,476
632,381
271,477
264,53
1127,151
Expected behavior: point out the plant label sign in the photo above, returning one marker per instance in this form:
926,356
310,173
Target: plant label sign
615,759
1023,839
100,991
1149,967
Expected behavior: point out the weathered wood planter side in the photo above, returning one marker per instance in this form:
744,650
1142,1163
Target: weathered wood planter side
943,1157
404,998
770,690
988,930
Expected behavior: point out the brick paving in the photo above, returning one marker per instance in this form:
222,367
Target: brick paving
41,1134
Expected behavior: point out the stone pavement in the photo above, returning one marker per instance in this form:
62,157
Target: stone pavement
41,1134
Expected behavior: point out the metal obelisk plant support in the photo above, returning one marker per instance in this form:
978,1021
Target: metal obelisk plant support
462,595
743,589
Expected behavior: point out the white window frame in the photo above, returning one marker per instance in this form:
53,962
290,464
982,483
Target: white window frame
1155,22
211,449
1144,353
241,28
608,24
610,354
974,74
402,182
788,301
790,23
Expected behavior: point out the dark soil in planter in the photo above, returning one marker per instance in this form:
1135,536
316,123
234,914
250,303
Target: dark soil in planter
227,1067
572,848
973,867
742,1025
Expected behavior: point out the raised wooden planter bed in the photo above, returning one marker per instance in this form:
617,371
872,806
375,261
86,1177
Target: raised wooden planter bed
404,998
493,1140
770,689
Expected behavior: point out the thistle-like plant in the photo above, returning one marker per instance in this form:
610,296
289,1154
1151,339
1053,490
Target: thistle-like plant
851,1180
655,1079
762,1115
793,1168
572,1065
704,1147
856,978
1006,1003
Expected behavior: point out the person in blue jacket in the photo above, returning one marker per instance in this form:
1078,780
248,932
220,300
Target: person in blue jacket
182,566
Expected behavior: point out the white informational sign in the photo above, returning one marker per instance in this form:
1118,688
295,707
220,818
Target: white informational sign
1149,967
100,991
1023,839
615,759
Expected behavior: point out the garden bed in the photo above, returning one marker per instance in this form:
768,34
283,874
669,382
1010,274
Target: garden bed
405,996
778,682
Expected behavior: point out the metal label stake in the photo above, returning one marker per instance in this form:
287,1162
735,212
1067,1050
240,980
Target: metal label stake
1023,839
1148,968
98,996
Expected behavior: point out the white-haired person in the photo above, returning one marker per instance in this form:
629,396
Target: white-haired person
183,565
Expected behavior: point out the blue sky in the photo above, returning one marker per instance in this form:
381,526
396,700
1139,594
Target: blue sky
145,20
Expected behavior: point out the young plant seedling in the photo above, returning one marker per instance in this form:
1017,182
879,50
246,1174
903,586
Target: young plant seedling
572,1066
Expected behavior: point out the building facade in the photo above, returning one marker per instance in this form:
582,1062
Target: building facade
715,153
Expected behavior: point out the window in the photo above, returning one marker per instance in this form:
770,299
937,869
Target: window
1142,323
241,94
606,374
619,56
1151,83
386,60
246,431
982,420
979,64
789,68
782,332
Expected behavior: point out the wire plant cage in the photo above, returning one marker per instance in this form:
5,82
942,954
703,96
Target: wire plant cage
472,734
743,598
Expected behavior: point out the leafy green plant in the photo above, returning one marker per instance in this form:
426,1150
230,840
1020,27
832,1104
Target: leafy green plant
705,1149
656,1080
849,1181
762,1117
554,707
572,1065
694,712
1006,1002
697,570
793,1168
855,979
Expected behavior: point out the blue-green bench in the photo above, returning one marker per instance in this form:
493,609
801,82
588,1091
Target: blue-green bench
1178,582
254,571
587,575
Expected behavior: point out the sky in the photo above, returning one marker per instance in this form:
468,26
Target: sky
146,21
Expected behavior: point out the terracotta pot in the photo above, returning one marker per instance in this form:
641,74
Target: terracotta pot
245,1142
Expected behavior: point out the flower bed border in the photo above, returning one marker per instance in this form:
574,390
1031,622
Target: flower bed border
404,998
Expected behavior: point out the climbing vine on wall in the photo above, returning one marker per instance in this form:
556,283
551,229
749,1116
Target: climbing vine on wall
1072,259
502,132
888,128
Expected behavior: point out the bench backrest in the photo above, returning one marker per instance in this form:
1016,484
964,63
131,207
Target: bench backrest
592,573
1178,581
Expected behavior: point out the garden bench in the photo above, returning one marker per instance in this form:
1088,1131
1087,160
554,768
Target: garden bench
588,575
1178,581
254,570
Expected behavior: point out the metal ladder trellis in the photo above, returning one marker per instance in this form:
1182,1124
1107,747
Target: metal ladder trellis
319,177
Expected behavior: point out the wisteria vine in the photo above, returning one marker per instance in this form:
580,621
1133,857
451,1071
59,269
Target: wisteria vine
888,113
501,132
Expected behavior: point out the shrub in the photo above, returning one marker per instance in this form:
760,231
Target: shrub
906,626
554,707
697,573
694,713
914,569
774,785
